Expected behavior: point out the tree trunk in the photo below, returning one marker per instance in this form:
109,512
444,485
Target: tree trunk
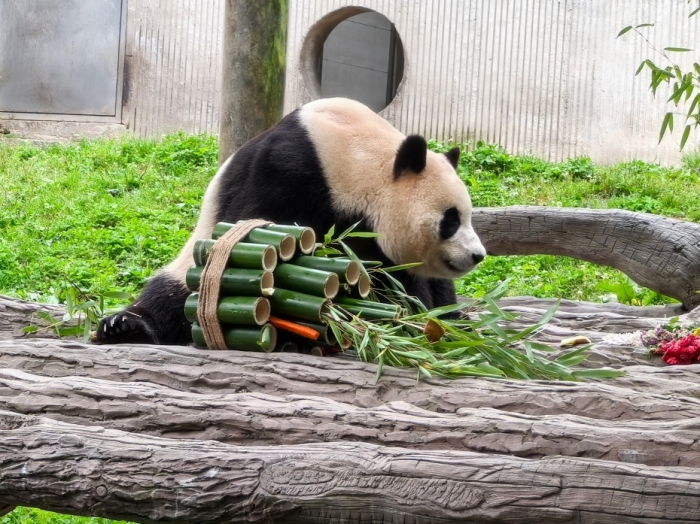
254,418
660,253
91,470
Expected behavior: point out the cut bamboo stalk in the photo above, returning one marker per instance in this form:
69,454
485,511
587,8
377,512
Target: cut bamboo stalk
306,237
288,347
243,255
299,305
364,286
350,301
372,312
285,243
307,280
245,311
263,338
236,281
347,270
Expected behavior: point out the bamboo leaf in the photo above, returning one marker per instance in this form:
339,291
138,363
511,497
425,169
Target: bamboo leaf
668,122
30,330
380,365
442,310
625,30
644,25
686,134
347,231
696,11
598,373
694,104
402,267
48,318
69,331
641,67
86,329
677,49
364,234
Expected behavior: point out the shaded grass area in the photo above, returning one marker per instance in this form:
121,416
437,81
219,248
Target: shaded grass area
106,214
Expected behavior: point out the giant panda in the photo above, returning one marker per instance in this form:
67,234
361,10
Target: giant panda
330,162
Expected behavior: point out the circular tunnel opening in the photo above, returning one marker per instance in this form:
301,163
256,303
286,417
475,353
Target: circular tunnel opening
356,53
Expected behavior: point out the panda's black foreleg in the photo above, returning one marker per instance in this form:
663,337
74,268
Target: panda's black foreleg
444,294
156,317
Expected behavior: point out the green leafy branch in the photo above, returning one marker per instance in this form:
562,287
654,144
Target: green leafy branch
474,345
82,312
686,84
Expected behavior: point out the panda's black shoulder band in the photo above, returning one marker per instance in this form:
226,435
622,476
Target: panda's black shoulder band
411,155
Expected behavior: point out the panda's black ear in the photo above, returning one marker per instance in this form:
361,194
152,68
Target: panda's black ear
453,156
412,155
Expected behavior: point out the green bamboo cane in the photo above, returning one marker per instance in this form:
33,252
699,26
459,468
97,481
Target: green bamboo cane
236,282
263,338
307,280
347,270
370,310
243,255
248,311
306,237
285,243
299,305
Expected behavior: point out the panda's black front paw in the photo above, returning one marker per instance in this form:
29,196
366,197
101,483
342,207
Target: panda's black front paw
120,326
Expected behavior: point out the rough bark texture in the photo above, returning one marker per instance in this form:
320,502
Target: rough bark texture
254,418
177,434
143,478
17,314
660,253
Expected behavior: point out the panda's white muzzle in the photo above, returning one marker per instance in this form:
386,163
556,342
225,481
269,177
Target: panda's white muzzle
462,252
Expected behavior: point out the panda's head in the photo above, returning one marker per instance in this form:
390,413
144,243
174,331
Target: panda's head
425,215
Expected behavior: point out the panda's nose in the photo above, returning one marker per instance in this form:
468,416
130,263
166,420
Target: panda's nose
477,257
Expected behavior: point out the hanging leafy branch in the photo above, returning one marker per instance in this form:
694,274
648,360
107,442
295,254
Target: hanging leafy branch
686,84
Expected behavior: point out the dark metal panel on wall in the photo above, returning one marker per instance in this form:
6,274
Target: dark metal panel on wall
62,59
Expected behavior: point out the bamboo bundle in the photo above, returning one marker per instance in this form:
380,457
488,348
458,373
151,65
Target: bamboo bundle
274,292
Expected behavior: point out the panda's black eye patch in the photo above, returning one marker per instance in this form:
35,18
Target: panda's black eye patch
450,223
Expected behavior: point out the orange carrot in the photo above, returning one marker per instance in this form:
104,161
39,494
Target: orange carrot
297,329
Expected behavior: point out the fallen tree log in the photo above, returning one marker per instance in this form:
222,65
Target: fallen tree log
16,314
647,393
246,418
660,253
69,468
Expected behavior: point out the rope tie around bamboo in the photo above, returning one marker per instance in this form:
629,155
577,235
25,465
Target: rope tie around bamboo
210,284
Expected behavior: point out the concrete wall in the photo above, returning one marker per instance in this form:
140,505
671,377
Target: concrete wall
173,66
546,77
171,75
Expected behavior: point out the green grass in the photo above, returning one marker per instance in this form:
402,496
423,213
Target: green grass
105,214
37,516
101,214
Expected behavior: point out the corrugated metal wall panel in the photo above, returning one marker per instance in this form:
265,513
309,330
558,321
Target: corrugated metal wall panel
543,77
173,66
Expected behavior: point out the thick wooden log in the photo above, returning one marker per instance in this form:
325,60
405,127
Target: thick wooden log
646,393
247,418
660,253
16,314
89,470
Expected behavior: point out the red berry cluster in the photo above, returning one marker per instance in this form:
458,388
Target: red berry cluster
682,351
